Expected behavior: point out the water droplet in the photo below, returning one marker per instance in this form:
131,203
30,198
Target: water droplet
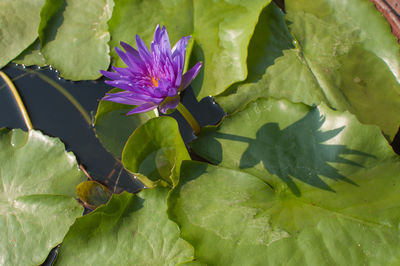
18,138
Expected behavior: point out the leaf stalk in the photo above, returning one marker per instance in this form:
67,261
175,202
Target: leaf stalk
189,118
18,99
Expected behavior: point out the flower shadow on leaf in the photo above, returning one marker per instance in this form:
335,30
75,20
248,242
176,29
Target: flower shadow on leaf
298,151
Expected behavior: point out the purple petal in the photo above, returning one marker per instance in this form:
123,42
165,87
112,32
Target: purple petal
123,98
142,108
189,76
157,34
110,75
164,43
178,68
172,91
143,51
161,53
180,47
158,93
141,93
169,103
123,56
165,89
134,57
130,49
124,72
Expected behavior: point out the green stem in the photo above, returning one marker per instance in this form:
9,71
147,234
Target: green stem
14,79
18,99
66,94
189,118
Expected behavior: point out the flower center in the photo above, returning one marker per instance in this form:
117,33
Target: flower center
154,81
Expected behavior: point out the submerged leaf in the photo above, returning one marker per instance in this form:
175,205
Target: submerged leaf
37,204
93,193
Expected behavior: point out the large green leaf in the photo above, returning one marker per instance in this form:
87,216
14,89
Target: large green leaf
113,127
37,205
233,218
293,144
154,152
221,31
19,21
74,37
129,230
297,185
345,56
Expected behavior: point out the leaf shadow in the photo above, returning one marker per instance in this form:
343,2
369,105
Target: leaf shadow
271,37
297,152
49,26
196,56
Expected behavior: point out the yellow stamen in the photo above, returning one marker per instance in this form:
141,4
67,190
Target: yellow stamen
154,81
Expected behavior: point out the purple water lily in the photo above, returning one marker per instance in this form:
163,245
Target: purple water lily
151,79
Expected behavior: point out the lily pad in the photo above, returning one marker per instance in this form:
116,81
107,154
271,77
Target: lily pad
233,218
19,21
155,151
75,37
129,230
293,145
345,56
113,127
221,31
37,204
